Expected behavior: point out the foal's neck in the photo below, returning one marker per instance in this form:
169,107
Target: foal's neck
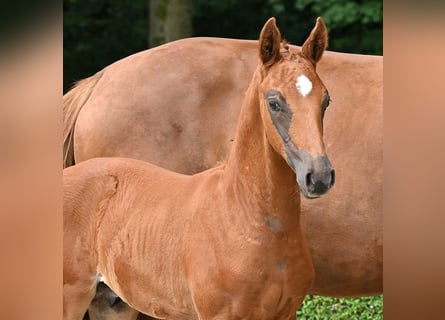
259,176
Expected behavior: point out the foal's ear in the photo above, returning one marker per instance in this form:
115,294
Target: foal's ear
316,43
270,39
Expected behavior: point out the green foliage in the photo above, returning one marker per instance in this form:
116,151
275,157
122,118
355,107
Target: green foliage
99,32
354,25
324,308
236,18
243,19
277,6
346,12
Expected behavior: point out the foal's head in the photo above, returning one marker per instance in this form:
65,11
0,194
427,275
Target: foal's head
293,100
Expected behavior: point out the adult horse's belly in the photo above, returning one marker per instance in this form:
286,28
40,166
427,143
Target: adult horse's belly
170,108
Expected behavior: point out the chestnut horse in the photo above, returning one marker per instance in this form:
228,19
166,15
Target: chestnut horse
222,244
177,106
123,111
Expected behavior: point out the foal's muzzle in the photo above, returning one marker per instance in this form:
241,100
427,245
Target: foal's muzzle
315,175
319,177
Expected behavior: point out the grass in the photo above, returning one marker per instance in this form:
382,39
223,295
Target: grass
324,308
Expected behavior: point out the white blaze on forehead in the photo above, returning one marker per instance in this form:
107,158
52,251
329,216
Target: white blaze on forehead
304,85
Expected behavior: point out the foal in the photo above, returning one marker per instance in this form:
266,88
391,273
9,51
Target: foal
222,244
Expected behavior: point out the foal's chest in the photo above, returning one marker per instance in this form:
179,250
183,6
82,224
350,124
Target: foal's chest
256,284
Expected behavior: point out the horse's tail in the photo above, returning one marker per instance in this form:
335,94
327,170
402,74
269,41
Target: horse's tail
73,101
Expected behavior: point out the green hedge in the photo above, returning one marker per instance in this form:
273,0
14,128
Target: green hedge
323,308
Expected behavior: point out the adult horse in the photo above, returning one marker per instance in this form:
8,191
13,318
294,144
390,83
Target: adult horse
177,106
222,244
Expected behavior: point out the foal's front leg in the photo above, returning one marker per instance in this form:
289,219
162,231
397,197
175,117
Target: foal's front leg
76,299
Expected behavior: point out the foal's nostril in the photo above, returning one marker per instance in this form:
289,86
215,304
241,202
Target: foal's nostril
309,179
332,178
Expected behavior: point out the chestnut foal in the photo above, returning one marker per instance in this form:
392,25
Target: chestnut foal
222,244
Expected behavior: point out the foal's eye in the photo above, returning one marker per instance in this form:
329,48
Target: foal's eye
273,105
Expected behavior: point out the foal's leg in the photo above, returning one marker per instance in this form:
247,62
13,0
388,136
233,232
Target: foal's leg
76,298
85,198
79,275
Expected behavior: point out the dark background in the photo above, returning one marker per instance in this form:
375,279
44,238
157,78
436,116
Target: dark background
99,32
